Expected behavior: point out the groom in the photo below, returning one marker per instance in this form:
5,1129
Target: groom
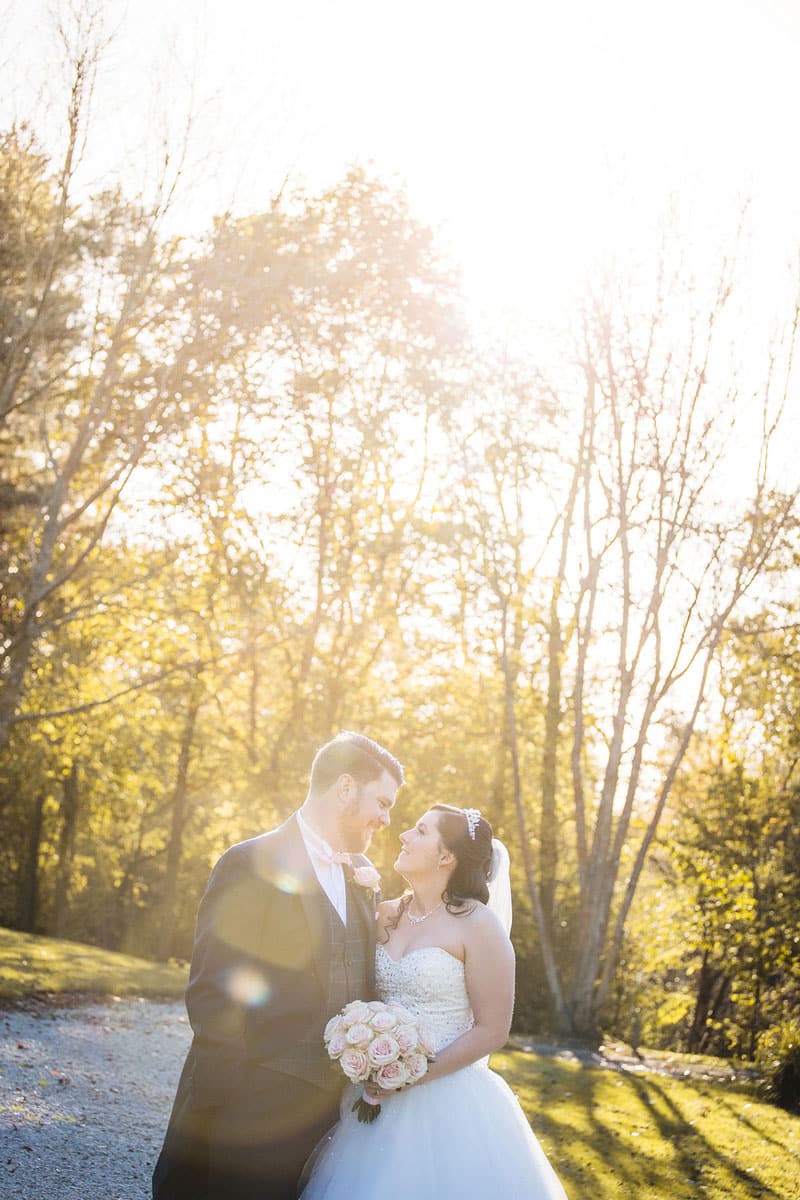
285,938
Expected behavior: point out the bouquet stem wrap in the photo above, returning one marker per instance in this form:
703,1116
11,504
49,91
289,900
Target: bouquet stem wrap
366,1110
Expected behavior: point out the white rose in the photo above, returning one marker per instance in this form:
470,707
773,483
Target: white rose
407,1038
335,1025
354,1064
367,877
383,1021
417,1066
337,1043
359,1035
384,1049
394,1075
403,1015
355,1014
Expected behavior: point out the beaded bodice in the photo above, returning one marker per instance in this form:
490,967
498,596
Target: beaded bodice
430,983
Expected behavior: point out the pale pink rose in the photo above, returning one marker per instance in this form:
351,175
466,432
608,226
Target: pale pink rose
337,1043
403,1015
354,1064
417,1066
406,1037
383,1021
359,1035
376,1005
335,1025
367,877
394,1075
355,1013
384,1049
426,1042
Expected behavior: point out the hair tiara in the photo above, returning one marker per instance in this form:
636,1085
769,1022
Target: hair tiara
473,816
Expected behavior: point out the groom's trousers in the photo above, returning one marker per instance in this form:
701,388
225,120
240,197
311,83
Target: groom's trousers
252,1148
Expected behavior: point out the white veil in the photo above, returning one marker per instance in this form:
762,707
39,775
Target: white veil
500,884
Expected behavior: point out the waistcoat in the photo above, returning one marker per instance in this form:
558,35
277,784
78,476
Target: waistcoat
347,980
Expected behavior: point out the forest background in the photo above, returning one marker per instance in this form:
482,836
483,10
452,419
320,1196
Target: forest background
270,478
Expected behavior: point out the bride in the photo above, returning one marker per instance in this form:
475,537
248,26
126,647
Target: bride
444,953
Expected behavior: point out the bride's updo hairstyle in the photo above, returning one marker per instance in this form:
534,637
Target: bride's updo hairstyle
468,880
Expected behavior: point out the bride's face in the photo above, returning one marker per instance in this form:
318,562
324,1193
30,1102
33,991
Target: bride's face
422,850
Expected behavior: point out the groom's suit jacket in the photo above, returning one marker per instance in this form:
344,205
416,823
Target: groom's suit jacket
261,960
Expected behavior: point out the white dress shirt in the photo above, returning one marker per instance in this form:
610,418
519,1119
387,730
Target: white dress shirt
329,872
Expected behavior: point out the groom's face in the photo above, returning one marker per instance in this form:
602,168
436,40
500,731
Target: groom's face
366,811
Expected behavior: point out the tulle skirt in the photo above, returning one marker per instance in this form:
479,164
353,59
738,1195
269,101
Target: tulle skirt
461,1137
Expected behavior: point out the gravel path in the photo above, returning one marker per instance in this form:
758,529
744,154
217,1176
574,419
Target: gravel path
85,1094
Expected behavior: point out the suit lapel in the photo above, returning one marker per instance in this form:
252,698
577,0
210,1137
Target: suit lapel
362,903
312,897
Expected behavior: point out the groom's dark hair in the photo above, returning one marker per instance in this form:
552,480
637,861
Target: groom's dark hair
352,754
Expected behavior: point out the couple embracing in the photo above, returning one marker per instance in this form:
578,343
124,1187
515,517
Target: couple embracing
290,930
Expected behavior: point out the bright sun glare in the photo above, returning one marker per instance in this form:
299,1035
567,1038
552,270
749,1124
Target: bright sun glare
538,137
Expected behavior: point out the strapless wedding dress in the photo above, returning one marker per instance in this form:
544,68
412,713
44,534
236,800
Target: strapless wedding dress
461,1137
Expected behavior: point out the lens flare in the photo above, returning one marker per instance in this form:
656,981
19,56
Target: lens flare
287,882
248,986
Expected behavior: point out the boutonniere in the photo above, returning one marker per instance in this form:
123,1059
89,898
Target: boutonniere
368,878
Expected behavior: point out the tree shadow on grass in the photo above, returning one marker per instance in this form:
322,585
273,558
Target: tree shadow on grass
686,1139
674,1159
751,1124
590,1157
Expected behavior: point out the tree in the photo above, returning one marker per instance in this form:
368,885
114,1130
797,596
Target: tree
100,356
734,839
622,598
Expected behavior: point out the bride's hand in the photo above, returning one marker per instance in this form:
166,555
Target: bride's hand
377,1095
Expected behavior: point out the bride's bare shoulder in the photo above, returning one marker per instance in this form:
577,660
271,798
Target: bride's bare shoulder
482,923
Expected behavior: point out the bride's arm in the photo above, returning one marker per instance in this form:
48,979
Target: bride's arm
489,974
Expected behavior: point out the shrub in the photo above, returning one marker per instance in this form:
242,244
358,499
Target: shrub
778,1057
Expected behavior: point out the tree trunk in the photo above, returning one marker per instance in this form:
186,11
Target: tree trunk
548,824
584,985
558,1007
497,792
120,911
66,846
706,977
711,988
29,875
177,828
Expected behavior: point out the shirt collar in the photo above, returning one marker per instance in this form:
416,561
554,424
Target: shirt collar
314,842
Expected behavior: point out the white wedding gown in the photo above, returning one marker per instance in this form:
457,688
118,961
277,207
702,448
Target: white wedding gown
461,1137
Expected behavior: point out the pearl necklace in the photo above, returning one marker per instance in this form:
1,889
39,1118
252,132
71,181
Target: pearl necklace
418,920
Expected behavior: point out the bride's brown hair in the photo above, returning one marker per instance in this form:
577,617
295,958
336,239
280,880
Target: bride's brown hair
468,880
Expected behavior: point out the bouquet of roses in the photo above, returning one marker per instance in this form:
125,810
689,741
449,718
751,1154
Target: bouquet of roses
382,1044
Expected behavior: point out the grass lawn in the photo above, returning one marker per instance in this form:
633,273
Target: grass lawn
31,966
609,1134
653,1137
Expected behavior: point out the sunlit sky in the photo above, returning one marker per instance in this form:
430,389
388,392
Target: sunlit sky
538,138
534,135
